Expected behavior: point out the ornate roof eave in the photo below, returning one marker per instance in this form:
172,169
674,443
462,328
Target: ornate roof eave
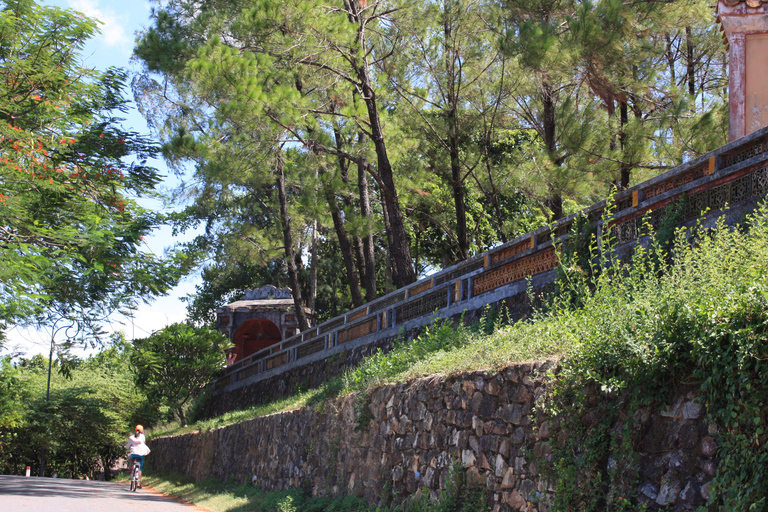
286,305
738,16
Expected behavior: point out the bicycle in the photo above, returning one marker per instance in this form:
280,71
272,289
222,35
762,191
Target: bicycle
135,480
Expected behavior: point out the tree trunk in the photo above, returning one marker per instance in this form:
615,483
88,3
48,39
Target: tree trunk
346,248
369,279
182,416
690,66
290,256
453,138
670,54
555,200
625,167
403,272
313,274
402,264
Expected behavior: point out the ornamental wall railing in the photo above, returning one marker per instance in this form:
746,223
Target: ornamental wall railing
735,175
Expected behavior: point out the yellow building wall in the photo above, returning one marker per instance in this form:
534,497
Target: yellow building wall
756,100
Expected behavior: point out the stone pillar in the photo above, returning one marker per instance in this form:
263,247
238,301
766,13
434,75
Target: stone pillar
746,28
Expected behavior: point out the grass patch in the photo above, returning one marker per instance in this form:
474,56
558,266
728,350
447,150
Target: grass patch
217,496
284,404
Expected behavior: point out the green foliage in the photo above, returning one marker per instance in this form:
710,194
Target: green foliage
83,425
461,494
174,364
71,232
229,496
475,120
642,333
381,368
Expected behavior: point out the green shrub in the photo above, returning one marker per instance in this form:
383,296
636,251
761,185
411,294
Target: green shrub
701,319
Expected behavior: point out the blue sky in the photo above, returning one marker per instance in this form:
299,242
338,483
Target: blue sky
113,47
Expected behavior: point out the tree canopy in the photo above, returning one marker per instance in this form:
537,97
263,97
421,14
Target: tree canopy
416,134
174,364
83,426
70,175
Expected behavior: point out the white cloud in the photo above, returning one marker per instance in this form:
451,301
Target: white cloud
113,27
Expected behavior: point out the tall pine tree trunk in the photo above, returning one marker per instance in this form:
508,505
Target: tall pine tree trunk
347,254
403,272
369,280
348,250
290,254
690,67
625,166
555,200
457,183
313,271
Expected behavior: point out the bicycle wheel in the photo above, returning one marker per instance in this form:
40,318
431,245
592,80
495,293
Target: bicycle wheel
134,476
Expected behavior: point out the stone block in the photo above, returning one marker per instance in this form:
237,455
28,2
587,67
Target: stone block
509,479
521,394
708,446
526,488
477,425
501,466
493,387
504,448
482,462
512,413
669,492
543,432
514,500
468,459
691,410
518,436
500,428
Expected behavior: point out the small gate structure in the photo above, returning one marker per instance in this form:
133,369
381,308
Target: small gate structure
263,318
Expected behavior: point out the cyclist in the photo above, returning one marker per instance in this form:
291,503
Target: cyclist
138,448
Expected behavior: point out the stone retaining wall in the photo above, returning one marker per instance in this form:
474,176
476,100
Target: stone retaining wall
409,436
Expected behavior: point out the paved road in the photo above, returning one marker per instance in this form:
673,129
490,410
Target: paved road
32,494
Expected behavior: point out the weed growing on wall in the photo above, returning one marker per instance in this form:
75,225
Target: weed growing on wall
461,494
640,335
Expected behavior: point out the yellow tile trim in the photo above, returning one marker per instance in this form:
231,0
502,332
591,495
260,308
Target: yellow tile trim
711,169
635,198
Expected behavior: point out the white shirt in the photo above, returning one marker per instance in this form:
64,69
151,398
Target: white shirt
137,446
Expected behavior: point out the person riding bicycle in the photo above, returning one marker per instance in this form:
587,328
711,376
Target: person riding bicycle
138,448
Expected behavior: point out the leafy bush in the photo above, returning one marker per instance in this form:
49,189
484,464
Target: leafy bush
702,319
83,426
176,363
